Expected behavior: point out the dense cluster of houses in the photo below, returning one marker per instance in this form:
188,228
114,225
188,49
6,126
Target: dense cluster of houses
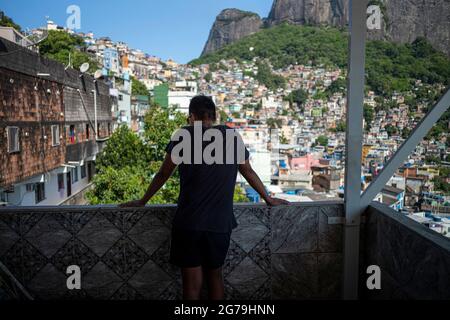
297,148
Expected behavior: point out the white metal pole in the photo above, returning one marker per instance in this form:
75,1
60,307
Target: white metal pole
95,113
354,139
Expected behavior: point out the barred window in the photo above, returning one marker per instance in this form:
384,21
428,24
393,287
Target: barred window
13,139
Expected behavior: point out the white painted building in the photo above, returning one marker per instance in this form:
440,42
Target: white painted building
181,100
50,189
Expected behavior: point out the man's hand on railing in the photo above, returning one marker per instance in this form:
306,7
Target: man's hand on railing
133,204
276,202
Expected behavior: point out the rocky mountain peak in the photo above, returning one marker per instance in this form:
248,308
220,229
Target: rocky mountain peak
230,26
403,21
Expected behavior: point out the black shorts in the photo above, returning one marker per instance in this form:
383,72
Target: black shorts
190,249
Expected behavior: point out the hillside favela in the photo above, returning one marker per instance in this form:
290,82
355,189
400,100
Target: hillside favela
257,88
85,117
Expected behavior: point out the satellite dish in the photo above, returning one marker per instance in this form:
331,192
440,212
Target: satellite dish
84,67
98,74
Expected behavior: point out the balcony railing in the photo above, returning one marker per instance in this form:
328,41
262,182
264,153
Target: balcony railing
289,252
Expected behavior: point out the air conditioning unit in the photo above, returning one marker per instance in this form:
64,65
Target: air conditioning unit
30,187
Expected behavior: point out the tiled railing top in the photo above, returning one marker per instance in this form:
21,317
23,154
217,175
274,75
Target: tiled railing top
123,253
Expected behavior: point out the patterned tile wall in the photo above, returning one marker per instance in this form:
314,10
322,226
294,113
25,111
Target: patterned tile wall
284,252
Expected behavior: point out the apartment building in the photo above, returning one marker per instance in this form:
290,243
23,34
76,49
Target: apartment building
53,122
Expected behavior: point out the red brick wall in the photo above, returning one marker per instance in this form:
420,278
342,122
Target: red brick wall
33,111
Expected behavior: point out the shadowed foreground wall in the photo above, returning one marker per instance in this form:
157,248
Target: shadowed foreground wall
414,260
275,253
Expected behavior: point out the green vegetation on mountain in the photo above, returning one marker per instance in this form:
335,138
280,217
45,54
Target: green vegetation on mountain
390,67
298,97
65,48
268,78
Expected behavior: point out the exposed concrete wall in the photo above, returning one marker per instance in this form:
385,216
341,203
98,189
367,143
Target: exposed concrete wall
275,253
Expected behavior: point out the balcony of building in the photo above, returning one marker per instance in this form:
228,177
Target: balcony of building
288,252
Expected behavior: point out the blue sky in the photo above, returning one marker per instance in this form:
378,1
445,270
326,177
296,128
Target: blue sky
176,29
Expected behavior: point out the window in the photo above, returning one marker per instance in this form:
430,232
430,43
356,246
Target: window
55,135
83,171
74,175
13,139
72,134
3,197
60,181
87,131
39,191
120,97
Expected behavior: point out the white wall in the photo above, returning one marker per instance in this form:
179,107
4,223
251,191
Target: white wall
53,197
181,99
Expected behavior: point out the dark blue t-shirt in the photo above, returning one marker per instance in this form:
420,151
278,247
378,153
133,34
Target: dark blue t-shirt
205,202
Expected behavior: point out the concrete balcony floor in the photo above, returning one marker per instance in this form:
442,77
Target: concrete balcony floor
289,252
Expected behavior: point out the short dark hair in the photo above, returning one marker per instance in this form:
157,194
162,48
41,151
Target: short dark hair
203,108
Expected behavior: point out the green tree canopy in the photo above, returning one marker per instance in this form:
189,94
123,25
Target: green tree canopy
298,97
369,115
268,78
322,141
124,148
60,46
6,21
138,88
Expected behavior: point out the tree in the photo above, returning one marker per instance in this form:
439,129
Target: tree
208,77
368,116
269,79
406,132
337,86
159,125
138,88
322,141
341,126
239,195
65,48
440,182
124,148
274,123
283,139
112,186
223,116
127,164
298,97
391,130
6,21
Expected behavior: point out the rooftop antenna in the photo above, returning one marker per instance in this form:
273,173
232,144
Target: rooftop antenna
70,61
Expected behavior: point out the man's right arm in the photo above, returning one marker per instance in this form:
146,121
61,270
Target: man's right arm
252,178
164,173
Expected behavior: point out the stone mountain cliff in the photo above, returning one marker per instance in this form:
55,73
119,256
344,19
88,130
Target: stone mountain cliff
404,20
230,26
